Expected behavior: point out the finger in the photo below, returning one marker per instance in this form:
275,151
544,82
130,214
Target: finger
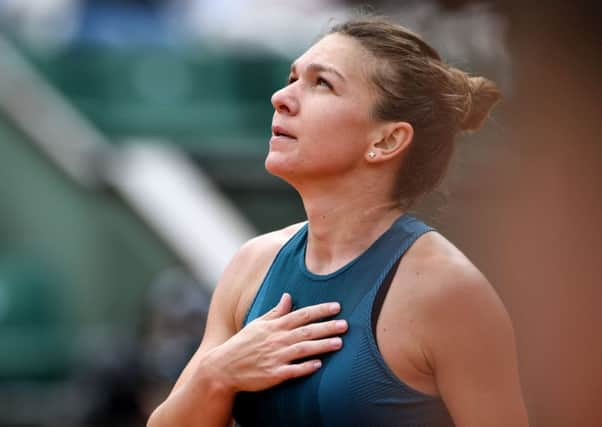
283,307
295,370
306,349
310,314
319,330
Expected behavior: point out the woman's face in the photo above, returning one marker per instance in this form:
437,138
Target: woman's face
322,124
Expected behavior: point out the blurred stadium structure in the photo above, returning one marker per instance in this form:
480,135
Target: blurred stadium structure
132,137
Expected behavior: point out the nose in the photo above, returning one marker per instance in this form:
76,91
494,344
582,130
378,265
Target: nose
285,101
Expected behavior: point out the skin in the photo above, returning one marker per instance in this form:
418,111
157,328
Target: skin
442,328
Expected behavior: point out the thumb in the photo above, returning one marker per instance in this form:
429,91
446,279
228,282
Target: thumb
283,307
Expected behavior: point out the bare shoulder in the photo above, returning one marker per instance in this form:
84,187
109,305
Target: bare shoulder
446,269
452,298
265,246
246,270
239,283
464,334
253,258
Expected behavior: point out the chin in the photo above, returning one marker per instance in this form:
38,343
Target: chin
279,168
274,166
295,171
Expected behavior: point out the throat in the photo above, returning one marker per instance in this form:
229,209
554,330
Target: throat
318,266
329,250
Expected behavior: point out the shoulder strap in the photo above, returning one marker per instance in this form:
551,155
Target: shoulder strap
382,292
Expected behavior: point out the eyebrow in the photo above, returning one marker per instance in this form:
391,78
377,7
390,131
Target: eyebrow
315,67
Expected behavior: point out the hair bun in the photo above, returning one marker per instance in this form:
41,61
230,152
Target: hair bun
481,95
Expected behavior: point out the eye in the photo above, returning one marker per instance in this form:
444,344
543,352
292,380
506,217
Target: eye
291,80
323,82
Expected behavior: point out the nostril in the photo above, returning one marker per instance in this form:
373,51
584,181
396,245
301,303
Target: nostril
282,108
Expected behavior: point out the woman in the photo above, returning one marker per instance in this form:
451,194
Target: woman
363,315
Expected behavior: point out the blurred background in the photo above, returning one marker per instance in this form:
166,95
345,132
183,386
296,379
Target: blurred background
132,139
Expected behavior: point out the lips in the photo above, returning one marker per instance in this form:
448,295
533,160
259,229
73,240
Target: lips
281,132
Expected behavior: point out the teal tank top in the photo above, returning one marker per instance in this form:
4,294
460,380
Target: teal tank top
354,386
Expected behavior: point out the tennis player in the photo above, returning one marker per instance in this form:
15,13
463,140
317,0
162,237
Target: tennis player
362,315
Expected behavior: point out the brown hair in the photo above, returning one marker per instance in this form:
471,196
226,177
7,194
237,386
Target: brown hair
415,86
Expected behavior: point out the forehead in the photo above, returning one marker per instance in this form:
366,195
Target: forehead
340,52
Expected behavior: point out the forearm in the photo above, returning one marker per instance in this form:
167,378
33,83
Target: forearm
201,400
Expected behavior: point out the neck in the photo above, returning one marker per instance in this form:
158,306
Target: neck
344,224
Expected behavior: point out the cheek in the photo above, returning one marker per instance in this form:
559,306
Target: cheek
333,139
343,124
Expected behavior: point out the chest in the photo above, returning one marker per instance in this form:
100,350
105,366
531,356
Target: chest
355,385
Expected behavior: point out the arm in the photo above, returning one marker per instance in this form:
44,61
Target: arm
255,358
197,395
470,345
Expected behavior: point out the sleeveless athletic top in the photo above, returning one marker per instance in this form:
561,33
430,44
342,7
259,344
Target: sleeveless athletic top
354,386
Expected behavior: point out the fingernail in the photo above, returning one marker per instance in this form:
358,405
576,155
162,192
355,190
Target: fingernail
336,342
317,364
334,307
283,297
341,324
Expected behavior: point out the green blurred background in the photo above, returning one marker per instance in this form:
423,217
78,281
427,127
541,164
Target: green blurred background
102,300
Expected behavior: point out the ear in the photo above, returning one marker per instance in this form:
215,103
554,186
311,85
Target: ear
392,142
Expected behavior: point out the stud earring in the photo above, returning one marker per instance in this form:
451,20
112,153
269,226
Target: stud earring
372,154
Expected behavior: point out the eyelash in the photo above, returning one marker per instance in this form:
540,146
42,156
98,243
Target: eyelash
319,81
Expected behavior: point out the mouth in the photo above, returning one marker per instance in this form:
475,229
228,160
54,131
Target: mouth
280,132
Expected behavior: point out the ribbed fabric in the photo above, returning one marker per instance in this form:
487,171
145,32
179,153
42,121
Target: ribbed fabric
354,386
